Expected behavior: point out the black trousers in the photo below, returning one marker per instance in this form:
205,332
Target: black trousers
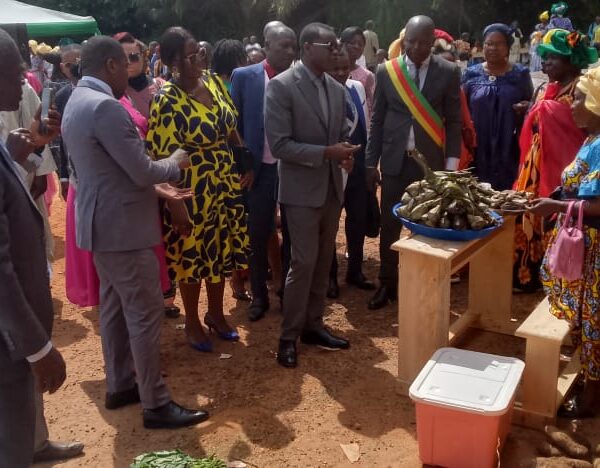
355,205
392,189
262,205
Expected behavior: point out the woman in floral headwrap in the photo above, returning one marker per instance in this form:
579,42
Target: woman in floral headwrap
549,141
558,20
578,301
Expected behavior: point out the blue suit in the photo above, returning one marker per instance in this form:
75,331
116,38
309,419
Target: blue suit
248,94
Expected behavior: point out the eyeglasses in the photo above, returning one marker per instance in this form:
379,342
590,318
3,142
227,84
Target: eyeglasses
331,45
195,57
134,58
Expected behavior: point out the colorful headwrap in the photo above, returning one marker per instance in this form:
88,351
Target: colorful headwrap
544,16
559,8
568,44
501,28
589,84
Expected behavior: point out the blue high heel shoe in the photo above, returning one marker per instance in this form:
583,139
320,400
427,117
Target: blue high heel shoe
225,336
202,346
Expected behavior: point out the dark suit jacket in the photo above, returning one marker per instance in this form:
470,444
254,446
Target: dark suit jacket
117,207
26,312
391,120
248,94
298,134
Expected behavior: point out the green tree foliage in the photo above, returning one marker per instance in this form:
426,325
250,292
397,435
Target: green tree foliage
214,19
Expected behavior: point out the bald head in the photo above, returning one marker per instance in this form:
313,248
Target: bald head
11,73
281,47
419,38
278,31
420,23
269,25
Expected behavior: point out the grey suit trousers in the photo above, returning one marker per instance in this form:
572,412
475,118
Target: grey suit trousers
41,427
17,416
131,313
312,235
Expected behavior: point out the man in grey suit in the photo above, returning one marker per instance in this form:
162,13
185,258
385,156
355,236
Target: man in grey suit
394,131
117,219
27,356
305,122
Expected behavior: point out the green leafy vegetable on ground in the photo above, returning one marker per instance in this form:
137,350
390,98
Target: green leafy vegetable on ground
175,459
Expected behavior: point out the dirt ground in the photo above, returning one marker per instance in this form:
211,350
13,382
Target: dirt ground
261,413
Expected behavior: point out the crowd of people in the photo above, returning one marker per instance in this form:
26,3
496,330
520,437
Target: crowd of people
184,162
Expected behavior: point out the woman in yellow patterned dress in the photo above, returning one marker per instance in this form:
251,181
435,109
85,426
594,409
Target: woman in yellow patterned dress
206,238
578,301
549,142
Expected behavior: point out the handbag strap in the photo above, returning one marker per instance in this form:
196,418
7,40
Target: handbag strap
580,217
567,220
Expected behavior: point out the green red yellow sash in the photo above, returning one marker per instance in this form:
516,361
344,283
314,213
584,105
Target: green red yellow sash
412,97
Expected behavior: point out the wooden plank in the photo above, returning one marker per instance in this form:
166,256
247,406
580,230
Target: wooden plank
567,378
531,420
490,280
542,324
461,325
538,385
423,310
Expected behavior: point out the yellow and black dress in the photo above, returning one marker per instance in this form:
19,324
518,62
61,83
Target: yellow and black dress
218,244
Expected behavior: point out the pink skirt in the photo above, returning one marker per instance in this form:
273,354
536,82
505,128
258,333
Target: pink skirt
81,280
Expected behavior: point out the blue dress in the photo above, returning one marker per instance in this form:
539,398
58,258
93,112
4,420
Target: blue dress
491,101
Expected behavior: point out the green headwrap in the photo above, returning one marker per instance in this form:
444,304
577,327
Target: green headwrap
559,8
567,44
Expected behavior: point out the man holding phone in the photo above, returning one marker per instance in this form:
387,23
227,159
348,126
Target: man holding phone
305,122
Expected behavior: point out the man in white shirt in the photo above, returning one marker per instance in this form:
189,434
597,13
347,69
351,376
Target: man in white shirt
371,45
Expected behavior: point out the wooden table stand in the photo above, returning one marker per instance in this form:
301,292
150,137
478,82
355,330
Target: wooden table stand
425,266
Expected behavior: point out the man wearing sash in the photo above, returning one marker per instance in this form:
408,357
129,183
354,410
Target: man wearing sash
416,106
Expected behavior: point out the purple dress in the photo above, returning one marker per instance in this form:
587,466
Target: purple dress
491,101
559,22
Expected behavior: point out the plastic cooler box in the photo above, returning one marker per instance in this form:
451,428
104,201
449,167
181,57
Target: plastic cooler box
464,403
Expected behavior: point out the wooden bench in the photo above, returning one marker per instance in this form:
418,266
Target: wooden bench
543,386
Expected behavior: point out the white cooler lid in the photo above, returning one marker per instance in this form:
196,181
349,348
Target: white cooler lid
468,381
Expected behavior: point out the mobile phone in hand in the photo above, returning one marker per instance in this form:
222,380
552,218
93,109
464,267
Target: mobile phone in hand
48,95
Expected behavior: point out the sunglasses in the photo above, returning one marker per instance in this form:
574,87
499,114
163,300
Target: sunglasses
331,45
134,58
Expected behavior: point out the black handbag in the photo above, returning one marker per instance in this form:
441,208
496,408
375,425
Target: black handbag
243,159
373,223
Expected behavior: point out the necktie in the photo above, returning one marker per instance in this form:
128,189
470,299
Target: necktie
417,77
323,98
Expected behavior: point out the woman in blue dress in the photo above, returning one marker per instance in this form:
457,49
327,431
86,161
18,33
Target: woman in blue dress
498,94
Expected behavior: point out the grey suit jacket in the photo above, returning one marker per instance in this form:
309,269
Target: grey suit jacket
391,120
26,312
116,206
298,134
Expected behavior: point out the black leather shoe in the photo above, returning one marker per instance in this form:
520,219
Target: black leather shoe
119,399
257,309
54,451
287,356
172,416
382,297
333,291
360,282
324,339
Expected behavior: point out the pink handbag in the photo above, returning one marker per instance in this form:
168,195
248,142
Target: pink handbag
566,254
